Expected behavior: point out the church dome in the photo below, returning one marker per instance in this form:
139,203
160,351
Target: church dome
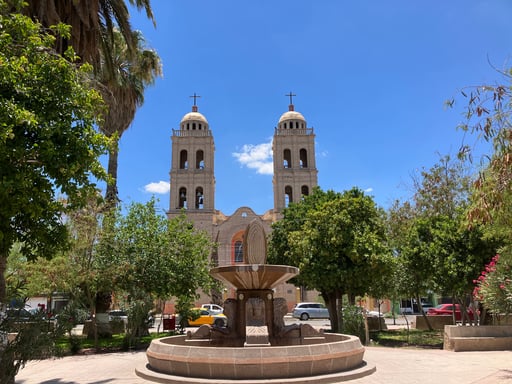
291,115
292,119
194,116
193,121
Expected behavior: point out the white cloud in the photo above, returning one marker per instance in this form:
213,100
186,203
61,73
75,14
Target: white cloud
258,157
369,190
162,187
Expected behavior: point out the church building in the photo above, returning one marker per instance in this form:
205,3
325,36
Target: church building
192,179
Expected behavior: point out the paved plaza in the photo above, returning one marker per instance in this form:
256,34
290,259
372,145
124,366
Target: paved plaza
394,366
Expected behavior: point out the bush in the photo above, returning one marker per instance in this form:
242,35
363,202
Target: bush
353,322
494,286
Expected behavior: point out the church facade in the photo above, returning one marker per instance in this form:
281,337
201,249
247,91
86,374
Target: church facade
192,180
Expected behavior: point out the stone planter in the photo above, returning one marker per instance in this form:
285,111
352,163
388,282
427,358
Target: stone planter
437,322
481,338
373,323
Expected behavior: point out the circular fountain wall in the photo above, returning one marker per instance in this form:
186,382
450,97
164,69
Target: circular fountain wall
175,360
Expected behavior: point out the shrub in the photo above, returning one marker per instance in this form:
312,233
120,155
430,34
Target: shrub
353,322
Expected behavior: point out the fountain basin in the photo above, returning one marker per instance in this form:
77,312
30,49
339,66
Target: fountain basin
254,276
337,357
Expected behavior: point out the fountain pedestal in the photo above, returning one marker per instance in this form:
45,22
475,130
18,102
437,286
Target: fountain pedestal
254,304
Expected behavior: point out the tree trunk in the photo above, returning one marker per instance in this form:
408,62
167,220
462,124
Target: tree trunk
453,310
334,303
111,194
420,308
102,325
3,268
8,368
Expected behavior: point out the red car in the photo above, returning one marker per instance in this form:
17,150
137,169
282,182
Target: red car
447,309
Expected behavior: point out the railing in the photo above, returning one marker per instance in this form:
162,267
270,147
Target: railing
293,131
192,133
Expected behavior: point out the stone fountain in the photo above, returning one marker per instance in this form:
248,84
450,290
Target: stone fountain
256,346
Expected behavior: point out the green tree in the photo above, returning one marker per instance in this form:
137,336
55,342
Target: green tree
337,241
93,23
48,148
102,35
461,251
156,258
487,115
437,251
123,90
488,112
48,143
411,240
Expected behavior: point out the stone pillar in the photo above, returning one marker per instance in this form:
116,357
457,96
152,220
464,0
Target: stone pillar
241,313
265,297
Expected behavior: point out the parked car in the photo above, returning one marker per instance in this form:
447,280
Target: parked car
206,317
118,315
150,321
447,309
213,308
305,311
373,314
18,315
426,307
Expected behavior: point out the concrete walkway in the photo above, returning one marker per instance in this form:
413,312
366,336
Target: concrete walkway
394,366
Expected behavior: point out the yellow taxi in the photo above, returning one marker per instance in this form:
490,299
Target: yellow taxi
206,317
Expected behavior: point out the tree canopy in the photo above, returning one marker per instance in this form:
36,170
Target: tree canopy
154,258
437,252
123,90
338,242
488,116
49,147
92,21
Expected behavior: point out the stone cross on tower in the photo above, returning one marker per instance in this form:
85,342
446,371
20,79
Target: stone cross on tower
290,95
195,98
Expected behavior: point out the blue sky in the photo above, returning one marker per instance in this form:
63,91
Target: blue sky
371,77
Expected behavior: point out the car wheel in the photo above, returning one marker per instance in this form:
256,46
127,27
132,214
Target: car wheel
304,316
219,323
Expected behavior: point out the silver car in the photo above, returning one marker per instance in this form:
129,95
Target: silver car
305,311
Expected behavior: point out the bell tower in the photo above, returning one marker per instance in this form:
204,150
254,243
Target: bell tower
293,146
192,169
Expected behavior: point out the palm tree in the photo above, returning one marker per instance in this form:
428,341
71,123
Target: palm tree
91,21
101,34
123,91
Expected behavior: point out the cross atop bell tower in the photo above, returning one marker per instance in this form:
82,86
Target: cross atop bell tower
290,95
194,107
